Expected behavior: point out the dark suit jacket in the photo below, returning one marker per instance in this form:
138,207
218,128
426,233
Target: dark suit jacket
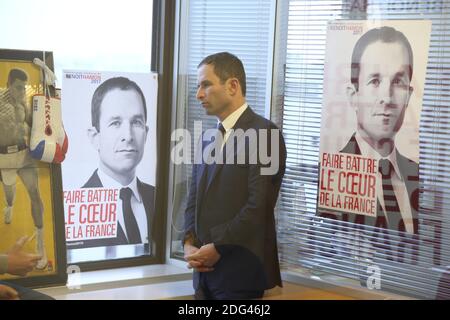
147,194
234,209
410,174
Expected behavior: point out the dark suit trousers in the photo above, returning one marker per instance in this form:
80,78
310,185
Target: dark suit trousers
209,289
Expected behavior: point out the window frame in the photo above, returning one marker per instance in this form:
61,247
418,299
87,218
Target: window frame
435,272
162,64
181,25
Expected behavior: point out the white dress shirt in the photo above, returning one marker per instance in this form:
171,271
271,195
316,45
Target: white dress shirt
136,204
231,120
398,183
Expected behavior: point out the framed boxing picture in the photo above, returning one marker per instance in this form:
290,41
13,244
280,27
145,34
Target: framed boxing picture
31,210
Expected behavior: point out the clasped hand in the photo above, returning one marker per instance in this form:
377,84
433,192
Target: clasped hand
201,259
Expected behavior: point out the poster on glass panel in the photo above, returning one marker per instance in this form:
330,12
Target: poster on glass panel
109,172
369,141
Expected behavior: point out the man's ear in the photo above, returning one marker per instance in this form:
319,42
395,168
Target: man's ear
93,136
233,86
411,90
351,94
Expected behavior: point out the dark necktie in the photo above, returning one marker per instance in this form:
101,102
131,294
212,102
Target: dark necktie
392,208
133,234
211,167
221,129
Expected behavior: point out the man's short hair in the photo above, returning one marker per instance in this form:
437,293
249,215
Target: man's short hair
120,83
226,66
17,74
385,35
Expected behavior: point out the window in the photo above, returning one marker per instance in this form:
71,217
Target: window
307,242
96,35
84,35
243,28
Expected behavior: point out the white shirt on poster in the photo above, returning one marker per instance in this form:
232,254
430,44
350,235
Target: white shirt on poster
136,204
398,183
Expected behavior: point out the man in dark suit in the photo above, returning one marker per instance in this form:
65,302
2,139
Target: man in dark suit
381,73
119,133
230,237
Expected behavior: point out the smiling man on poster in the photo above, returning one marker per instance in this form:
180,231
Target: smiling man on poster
119,133
380,90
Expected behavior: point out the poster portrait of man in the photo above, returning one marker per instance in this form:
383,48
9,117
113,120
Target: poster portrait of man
113,157
369,151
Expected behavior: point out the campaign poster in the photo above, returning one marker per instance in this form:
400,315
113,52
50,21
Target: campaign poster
109,171
374,80
29,193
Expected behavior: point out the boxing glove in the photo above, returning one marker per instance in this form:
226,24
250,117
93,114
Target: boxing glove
48,141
